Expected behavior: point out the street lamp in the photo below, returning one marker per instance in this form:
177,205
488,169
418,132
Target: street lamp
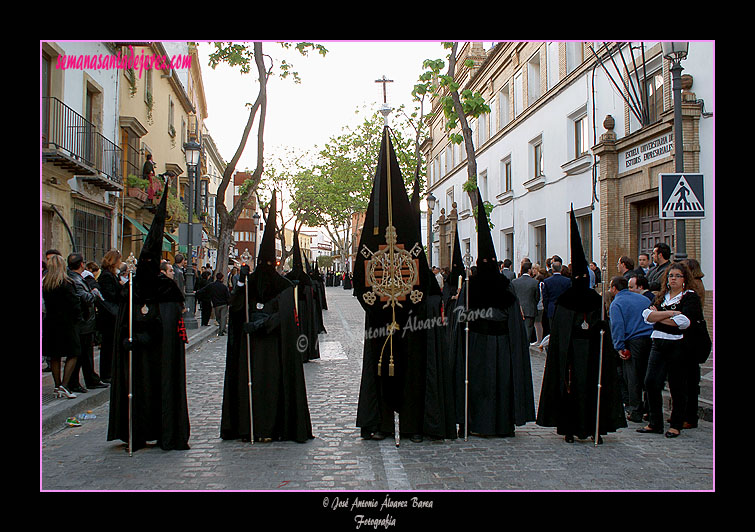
192,150
675,52
430,207
256,221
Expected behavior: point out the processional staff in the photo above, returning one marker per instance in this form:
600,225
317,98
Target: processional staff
603,273
246,257
467,267
131,264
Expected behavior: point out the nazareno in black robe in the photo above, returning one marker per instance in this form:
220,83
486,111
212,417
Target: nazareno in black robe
279,394
569,394
500,392
159,405
308,316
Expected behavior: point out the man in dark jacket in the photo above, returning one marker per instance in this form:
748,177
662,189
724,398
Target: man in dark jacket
528,293
662,259
219,297
86,328
554,286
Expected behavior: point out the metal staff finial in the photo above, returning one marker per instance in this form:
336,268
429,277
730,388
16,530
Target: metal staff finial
385,109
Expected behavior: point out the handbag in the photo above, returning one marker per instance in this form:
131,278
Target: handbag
698,340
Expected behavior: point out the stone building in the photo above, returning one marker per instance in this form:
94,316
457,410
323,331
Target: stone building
578,124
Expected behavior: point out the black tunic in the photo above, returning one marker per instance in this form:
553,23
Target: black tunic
568,398
160,408
279,395
500,392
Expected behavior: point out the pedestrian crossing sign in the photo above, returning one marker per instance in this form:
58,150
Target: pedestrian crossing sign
681,196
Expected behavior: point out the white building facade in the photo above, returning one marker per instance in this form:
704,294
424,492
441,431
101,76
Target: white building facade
562,124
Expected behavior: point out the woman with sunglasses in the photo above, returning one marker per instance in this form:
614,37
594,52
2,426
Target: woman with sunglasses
675,307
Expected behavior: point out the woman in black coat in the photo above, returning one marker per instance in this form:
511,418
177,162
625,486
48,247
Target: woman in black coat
60,337
674,309
107,312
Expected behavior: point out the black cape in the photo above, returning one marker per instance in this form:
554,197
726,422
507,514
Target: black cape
279,394
568,398
308,315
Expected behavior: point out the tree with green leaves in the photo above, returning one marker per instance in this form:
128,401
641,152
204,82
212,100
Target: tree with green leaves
456,108
247,58
339,184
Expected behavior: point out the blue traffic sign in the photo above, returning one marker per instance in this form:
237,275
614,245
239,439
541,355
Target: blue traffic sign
681,196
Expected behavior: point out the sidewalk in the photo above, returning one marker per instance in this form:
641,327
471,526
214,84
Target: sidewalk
55,411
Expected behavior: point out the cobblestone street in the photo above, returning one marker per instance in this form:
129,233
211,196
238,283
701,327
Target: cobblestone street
80,458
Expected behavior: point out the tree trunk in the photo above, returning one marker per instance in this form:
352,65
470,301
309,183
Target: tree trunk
465,129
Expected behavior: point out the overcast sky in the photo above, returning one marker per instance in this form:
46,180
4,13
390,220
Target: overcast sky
301,116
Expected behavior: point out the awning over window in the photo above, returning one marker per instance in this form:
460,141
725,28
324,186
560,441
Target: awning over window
144,230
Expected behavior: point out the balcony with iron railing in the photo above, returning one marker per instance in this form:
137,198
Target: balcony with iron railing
72,142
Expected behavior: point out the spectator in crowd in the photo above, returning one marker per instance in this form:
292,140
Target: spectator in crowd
693,368
539,273
48,253
86,327
205,303
506,269
675,307
631,339
554,286
220,297
639,285
643,264
662,258
60,338
527,291
179,272
107,312
596,272
626,266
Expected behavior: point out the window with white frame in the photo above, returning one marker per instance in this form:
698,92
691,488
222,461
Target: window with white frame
536,157
482,183
450,163
551,62
574,56
506,174
504,105
492,117
449,199
533,79
518,94
577,136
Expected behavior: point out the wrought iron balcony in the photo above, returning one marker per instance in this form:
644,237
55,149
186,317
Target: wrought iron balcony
72,142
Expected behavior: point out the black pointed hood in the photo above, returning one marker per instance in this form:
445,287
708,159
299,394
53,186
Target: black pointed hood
265,282
148,284
457,263
375,242
489,288
266,257
297,272
579,297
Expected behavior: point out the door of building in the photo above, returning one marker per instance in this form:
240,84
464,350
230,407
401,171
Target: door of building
652,229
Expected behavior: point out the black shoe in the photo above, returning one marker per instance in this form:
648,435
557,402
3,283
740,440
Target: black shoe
380,435
670,434
100,385
650,430
416,438
78,389
569,438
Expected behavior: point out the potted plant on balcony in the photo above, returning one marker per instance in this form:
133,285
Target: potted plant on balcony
136,187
